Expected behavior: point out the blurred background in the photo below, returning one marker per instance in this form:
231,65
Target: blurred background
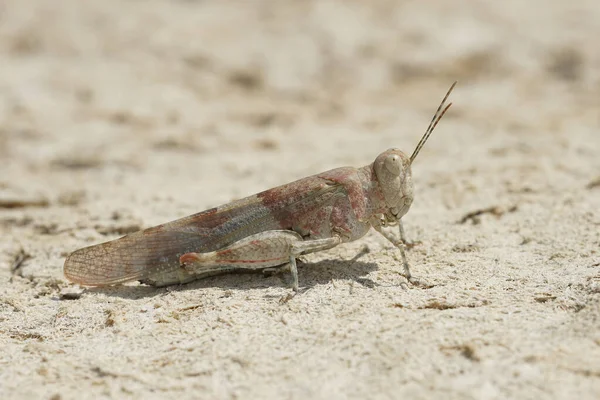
117,90
117,115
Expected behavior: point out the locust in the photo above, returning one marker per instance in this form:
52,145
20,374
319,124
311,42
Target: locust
270,229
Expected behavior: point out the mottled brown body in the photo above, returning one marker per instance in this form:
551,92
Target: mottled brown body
263,230
341,200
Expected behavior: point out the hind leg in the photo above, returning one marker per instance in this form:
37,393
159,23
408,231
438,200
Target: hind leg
262,250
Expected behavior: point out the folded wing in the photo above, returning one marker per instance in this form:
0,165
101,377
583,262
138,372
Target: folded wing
156,250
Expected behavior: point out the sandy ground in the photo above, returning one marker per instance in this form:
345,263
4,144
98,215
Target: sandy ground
120,115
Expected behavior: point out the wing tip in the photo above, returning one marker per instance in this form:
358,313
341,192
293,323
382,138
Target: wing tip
79,269
75,271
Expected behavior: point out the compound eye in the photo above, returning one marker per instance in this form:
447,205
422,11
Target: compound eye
393,164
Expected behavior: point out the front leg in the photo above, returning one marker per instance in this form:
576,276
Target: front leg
408,244
400,245
259,251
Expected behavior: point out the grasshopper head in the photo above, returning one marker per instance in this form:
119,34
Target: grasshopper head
392,169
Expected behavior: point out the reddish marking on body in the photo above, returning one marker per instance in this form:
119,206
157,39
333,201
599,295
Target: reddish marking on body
153,230
287,194
280,198
188,258
205,219
350,179
338,216
306,205
206,213
210,218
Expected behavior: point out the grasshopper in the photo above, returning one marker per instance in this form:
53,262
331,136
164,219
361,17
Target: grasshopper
266,230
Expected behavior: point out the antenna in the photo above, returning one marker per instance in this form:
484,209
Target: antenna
439,113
